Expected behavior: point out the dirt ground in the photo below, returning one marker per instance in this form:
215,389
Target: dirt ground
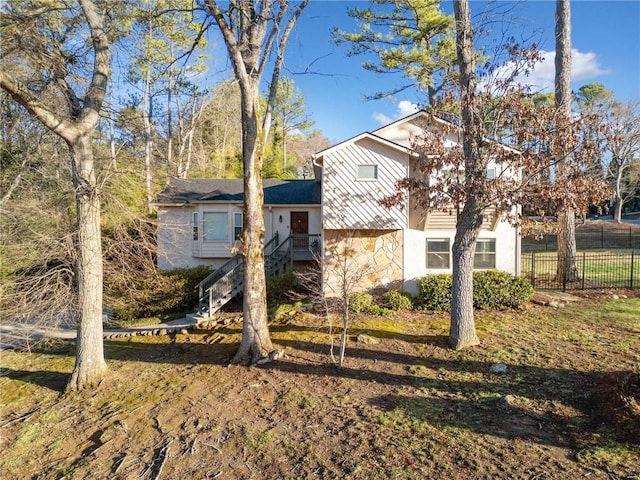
403,406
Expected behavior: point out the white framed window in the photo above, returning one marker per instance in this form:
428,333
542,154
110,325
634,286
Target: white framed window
490,173
438,253
485,257
237,225
195,223
216,226
367,172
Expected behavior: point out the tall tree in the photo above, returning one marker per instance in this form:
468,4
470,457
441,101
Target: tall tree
252,30
164,32
411,37
567,250
41,41
621,132
503,134
288,116
462,332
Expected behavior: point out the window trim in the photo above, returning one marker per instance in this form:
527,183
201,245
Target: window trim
361,178
195,226
237,233
438,252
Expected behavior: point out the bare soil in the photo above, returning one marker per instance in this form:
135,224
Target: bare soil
403,406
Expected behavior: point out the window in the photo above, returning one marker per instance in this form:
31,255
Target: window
490,173
215,226
195,223
485,254
438,253
237,225
367,172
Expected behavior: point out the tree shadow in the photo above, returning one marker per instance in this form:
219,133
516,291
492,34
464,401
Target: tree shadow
56,381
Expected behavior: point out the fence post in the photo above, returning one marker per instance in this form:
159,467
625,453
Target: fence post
631,276
533,269
601,236
564,262
584,267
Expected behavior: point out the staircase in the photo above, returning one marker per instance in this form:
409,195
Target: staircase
226,282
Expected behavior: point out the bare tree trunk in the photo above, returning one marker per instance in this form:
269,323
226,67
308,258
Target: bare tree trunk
567,262
256,340
462,332
147,116
77,133
90,365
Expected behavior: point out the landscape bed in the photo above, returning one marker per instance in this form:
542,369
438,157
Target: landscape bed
403,406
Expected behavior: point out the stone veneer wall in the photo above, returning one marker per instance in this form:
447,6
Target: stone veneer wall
373,256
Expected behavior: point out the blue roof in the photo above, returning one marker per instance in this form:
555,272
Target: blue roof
276,191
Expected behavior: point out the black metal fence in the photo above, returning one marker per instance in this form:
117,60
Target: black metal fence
585,240
588,270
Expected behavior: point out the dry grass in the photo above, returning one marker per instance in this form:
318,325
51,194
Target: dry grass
407,407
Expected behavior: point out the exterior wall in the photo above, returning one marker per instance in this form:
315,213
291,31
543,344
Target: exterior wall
349,203
175,242
177,249
273,224
415,261
373,259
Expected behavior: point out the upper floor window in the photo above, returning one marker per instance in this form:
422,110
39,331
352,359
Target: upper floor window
216,227
367,172
490,173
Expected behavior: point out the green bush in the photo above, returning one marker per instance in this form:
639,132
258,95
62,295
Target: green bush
378,310
434,292
360,302
279,287
396,300
491,289
158,294
496,289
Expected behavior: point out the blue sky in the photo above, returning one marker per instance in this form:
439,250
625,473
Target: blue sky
605,42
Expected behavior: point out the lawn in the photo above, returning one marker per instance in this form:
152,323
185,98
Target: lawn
405,407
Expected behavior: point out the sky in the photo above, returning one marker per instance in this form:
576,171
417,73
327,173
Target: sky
605,49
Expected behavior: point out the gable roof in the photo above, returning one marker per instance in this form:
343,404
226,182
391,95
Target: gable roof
357,138
231,190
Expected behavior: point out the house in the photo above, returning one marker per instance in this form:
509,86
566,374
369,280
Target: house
337,212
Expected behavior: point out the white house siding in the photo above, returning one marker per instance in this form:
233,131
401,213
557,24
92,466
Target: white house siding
349,203
371,258
175,240
177,249
273,224
415,262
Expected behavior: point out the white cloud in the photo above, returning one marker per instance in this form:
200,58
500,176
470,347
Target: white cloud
403,109
584,65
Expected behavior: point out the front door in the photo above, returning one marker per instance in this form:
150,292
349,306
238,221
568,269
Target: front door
300,230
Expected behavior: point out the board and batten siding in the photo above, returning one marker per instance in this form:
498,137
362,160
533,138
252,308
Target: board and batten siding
349,203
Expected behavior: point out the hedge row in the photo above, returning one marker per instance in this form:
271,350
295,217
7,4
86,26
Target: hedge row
491,289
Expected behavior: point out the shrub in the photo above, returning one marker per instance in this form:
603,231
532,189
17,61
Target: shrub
360,302
159,294
378,310
491,289
396,300
434,292
279,287
496,289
